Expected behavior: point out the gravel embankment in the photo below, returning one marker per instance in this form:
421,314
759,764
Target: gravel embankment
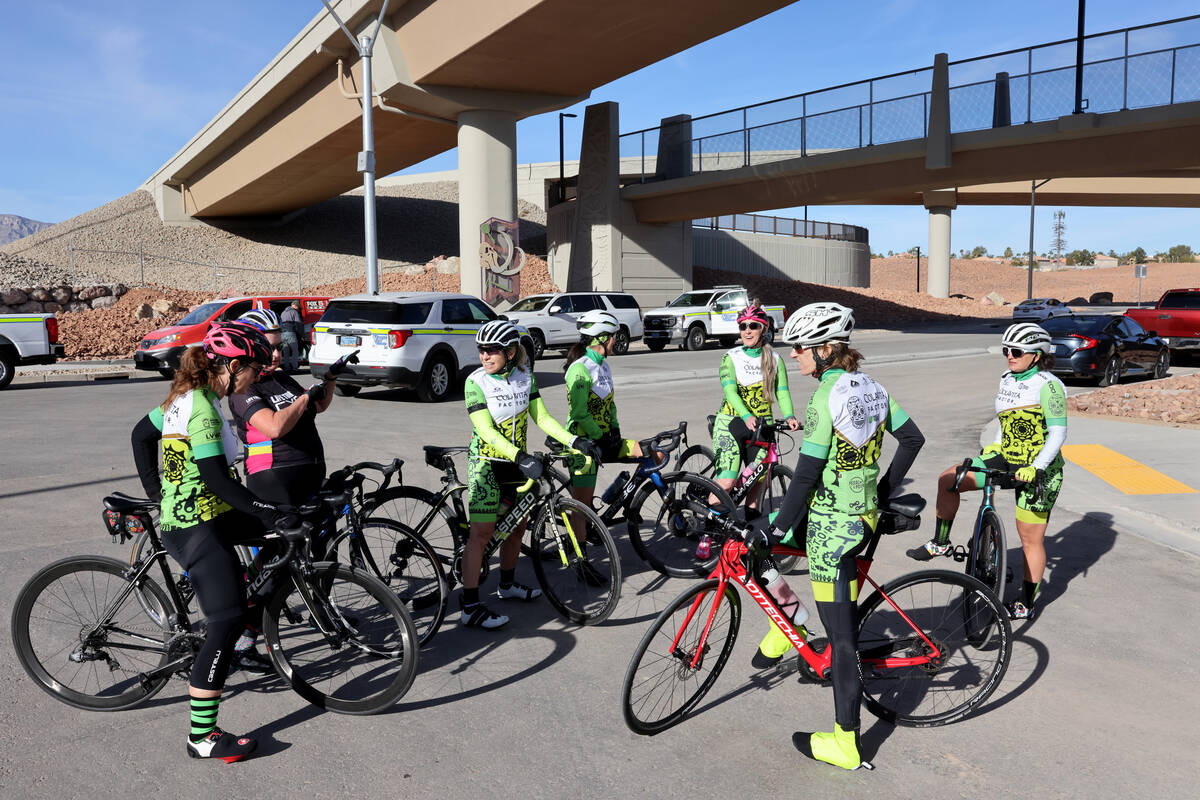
1174,400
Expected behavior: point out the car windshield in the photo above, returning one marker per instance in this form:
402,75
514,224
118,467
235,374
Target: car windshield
533,303
691,299
1090,325
198,315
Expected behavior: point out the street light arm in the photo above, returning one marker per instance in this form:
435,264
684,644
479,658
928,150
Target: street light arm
342,25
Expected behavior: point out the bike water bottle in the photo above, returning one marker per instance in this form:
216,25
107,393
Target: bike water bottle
614,491
704,548
783,595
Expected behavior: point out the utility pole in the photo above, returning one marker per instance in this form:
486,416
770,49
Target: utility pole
364,45
918,269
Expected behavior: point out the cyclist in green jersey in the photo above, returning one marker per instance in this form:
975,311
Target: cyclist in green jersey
591,400
753,377
501,396
1031,405
834,496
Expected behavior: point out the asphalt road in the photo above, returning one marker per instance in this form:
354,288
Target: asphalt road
1098,700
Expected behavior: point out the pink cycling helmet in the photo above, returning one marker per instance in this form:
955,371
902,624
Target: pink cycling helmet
753,313
230,340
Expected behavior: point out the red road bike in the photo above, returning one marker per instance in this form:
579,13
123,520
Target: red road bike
920,664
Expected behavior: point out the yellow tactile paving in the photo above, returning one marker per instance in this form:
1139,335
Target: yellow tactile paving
1122,472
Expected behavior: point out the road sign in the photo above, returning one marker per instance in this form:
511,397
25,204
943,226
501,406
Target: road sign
1139,270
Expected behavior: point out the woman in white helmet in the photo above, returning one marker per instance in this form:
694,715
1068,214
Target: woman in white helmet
835,495
591,398
1032,407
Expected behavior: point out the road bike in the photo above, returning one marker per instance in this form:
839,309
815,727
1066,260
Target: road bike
919,664
337,635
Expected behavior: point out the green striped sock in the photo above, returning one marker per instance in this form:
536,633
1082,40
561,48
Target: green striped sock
942,536
204,716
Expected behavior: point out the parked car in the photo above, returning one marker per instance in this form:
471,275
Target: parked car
551,318
27,339
1106,347
411,340
694,317
1038,309
161,349
1176,318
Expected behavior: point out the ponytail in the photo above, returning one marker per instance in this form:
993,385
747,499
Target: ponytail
769,371
576,352
195,371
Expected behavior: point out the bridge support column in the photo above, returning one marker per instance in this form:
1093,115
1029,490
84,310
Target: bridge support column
487,193
940,203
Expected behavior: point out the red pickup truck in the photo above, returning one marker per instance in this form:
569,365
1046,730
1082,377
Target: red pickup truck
1175,318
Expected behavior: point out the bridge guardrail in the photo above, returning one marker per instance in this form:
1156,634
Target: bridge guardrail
784,226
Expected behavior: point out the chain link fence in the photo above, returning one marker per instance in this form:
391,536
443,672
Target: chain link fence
140,268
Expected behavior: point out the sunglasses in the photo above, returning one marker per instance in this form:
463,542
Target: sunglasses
487,349
749,326
1015,352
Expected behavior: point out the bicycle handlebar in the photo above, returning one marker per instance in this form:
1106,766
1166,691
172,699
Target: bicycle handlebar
291,536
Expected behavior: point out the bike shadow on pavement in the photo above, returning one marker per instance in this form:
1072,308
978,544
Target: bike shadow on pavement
1070,551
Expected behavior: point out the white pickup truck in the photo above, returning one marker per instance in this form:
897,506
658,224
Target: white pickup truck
27,339
694,317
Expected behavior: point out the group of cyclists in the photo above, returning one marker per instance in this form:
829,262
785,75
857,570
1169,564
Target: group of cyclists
830,509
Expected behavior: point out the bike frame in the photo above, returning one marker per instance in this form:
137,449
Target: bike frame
746,483
647,469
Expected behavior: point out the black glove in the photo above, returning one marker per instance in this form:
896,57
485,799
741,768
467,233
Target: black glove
339,366
286,517
587,447
316,393
530,467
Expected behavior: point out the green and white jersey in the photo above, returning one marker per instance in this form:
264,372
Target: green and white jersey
844,426
591,396
1028,405
742,382
506,398
192,428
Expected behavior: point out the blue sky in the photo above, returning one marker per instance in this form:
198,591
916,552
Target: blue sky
97,96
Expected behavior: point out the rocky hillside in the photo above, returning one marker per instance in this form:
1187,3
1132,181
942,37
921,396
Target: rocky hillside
13,227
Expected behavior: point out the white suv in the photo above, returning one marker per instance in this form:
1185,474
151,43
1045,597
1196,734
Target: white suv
413,340
551,318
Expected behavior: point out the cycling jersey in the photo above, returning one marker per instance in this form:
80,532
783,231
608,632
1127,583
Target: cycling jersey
742,383
192,428
593,413
1032,408
299,446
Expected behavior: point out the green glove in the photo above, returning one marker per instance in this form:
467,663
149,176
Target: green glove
994,447
1027,474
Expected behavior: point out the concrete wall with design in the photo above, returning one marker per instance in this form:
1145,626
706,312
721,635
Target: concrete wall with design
799,258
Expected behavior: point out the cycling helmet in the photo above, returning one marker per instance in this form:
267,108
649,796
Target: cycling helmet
1027,336
264,319
597,323
817,323
230,340
753,313
499,332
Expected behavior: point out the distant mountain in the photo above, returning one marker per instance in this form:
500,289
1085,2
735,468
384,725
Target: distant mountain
13,227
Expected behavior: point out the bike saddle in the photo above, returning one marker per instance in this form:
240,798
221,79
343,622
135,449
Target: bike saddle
434,454
907,505
124,504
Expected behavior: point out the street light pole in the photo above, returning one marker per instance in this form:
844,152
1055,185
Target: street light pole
1032,207
918,269
562,186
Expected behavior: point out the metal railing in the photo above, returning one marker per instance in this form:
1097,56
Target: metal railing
1146,65
143,257
784,226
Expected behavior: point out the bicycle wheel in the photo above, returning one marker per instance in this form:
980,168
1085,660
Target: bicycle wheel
584,590
944,688
986,558
698,460
407,565
770,503
80,632
411,506
367,661
662,684
666,525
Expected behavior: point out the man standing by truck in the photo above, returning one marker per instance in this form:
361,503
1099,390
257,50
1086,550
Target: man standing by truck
293,331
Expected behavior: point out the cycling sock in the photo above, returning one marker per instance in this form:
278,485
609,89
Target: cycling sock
942,536
204,716
1029,590
507,576
246,640
470,597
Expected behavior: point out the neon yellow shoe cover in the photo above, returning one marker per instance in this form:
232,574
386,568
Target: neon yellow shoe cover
774,644
839,748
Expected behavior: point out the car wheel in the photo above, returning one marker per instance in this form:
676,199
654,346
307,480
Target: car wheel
436,380
7,368
346,390
656,345
1162,364
167,373
1112,372
694,339
771,334
727,341
621,342
530,355
539,343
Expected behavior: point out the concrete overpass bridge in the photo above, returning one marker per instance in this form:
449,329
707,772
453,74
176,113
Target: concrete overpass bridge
981,131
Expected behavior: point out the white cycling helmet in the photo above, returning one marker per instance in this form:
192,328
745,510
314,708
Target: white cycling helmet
264,319
597,323
817,323
498,332
1027,336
